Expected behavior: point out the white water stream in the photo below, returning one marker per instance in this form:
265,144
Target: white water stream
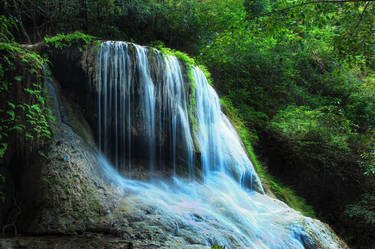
223,207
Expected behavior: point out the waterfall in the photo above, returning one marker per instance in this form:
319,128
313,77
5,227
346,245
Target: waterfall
173,96
146,85
142,108
52,92
145,113
143,100
220,146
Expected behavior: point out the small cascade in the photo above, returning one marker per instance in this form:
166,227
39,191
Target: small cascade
52,91
209,120
147,88
173,96
220,146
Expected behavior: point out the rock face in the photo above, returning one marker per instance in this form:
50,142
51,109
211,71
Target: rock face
75,191
70,193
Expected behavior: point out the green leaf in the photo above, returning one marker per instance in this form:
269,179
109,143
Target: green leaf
11,114
21,106
11,105
28,135
42,154
3,148
18,78
18,127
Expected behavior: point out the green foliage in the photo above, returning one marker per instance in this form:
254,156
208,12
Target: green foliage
207,74
297,78
26,114
318,134
362,217
42,154
289,196
3,147
217,247
6,27
12,51
285,74
282,192
363,211
66,40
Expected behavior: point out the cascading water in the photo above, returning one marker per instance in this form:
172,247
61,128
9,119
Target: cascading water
135,112
219,143
173,96
52,92
148,100
143,101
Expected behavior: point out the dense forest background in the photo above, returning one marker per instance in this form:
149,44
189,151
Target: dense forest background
296,77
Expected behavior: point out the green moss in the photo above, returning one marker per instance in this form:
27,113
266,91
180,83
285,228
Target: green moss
207,74
22,69
281,191
66,40
12,51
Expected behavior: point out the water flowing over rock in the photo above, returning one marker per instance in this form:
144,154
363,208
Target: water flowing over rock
166,169
219,143
142,108
145,107
143,104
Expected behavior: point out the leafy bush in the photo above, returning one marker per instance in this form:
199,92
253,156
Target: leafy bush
318,134
6,27
66,40
282,192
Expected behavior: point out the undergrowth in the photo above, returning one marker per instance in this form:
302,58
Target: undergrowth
281,191
66,40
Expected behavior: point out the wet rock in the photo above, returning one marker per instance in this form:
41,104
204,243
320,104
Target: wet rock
66,158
